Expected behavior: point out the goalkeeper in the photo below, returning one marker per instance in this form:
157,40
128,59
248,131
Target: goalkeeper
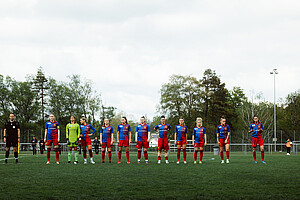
72,135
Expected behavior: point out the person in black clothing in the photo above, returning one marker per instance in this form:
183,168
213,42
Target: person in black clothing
96,145
42,146
12,136
33,143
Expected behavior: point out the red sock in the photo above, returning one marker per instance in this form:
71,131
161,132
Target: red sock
262,155
109,156
222,155
159,157
127,156
195,155
166,157
119,155
91,153
227,154
103,156
178,154
254,155
139,155
184,154
56,154
146,155
201,155
84,154
48,154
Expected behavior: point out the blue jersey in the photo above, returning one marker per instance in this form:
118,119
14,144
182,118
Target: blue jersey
198,134
106,133
52,130
257,129
124,131
163,130
86,129
223,131
181,132
142,131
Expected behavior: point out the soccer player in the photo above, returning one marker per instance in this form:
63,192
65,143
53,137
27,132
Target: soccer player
163,142
124,138
180,137
96,144
42,146
11,136
33,143
223,133
142,138
106,139
52,136
256,128
199,139
86,138
72,135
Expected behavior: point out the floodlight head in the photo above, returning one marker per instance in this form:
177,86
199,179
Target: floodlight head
271,72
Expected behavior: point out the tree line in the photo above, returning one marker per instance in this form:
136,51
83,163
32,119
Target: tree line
190,97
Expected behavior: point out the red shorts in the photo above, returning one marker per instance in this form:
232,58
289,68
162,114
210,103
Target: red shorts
50,142
123,142
181,142
163,144
106,144
139,145
86,142
258,140
201,144
222,142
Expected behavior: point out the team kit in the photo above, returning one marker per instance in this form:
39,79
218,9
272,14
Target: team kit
81,135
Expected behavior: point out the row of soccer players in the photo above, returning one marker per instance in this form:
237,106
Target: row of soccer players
76,134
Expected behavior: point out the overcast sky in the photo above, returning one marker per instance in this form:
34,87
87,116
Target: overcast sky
130,48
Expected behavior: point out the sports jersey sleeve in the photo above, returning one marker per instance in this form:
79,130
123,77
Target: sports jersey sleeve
148,128
129,128
250,128
204,131
156,127
228,128
262,127
217,131
94,130
46,126
67,131
169,127
17,125
118,129
112,130
194,132
6,125
78,131
176,129
137,129
101,130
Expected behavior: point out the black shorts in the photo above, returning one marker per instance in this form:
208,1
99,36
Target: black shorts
11,142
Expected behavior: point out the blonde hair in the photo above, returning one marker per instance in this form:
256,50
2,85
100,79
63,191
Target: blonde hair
199,119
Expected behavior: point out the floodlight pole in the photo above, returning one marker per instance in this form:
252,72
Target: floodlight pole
275,138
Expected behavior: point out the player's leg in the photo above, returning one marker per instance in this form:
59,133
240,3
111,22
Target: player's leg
146,155
178,151
201,154
166,156
139,154
7,153
195,153
103,147
184,152
70,154
254,144
91,153
227,152
109,154
120,152
76,155
166,148
262,151
127,153
56,154
222,153
48,145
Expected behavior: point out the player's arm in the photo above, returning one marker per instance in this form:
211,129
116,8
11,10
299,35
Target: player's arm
45,138
100,138
250,129
228,134
67,132
19,134
112,138
58,134
4,135
149,136
193,140
94,130
118,136
175,137
205,141
129,136
136,133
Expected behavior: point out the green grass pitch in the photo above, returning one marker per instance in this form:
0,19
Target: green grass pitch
241,179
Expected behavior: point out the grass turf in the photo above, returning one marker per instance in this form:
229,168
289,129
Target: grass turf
241,179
